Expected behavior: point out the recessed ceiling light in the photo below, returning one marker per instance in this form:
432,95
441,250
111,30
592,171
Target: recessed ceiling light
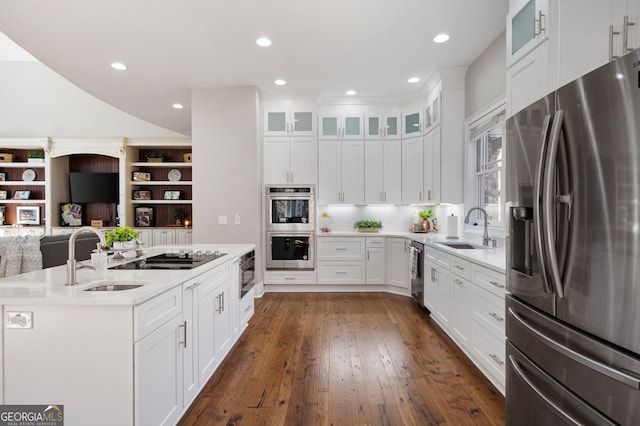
118,66
350,92
280,82
263,42
177,106
414,80
441,38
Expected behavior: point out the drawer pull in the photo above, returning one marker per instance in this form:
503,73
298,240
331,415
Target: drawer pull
496,316
459,268
497,284
340,273
458,282
289,278
496,359
340,249
192,286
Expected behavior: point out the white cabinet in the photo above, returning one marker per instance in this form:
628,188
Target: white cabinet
290,277
383,172
412,171
527,27
286,122
398,262
341,260
190,379
462,301
146,236
412,124
438,292
341,126
290,160
341,172
379,126
158,375
164,236
376,261
432,166
528,80
184,236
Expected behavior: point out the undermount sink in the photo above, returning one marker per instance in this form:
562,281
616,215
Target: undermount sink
117,285
463,246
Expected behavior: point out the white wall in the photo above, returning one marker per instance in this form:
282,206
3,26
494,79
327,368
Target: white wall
37,102
486,76
226,164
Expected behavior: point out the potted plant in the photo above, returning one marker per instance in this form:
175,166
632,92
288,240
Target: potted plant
425,215
368,225
325,222
122,238
36,157
155,157
179,214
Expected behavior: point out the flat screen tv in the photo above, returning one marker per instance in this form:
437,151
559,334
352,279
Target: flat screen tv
93,187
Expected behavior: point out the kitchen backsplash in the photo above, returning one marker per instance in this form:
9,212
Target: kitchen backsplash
393,218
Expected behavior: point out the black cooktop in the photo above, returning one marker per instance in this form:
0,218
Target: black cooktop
182,260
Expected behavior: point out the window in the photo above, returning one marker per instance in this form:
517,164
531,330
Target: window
486,167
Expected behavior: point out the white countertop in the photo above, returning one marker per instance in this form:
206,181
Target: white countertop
47,286
494,258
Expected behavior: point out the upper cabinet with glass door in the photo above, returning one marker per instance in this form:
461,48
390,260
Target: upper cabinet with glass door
527,26
382,126
283,122
412,124
341,126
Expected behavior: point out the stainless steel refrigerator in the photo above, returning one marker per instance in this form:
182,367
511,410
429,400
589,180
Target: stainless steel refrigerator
573,252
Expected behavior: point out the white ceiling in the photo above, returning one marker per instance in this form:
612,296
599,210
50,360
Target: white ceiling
321,48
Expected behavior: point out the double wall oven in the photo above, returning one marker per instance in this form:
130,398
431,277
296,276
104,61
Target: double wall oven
290,213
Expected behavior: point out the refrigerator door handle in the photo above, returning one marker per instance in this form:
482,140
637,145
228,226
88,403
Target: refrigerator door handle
548,204
537,207
592,364
518,370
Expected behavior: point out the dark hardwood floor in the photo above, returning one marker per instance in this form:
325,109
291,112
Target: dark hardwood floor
345,359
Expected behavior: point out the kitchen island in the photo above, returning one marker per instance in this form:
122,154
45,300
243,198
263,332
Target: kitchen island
133,357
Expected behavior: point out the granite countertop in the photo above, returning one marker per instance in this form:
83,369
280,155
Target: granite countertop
47,286
493,258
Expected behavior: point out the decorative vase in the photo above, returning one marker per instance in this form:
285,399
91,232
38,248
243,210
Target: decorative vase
426,227
179,222
124,245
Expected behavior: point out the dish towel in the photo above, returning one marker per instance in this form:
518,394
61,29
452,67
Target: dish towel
413,255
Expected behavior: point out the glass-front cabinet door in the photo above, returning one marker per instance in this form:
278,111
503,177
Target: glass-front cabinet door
289,123
527,26
412,124
382,126
334,126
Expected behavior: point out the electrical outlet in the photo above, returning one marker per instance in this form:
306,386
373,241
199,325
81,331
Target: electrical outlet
236,219
222,220
19,320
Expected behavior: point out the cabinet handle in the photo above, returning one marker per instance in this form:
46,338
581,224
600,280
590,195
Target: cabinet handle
458,267
367,255
385,197
611,34
433,275
340,273
223,301
539,22
219,297
458,282
496,316
184,327
420,196
340,248
496,359
194,285
625,34
429,194
289,278
496,284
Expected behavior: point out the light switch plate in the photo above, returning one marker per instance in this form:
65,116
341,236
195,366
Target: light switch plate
19,319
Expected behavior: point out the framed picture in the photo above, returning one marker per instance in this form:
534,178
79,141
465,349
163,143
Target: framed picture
171,195
21,195
141,176
3,195
144,216
28,215
141,195
70,214
3,215
3,177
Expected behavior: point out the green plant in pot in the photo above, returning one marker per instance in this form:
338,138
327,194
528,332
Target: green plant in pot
368,225
155,157
121,238
425,215
35,157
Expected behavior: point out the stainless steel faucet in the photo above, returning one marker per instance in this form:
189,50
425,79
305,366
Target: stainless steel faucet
485,236
71,261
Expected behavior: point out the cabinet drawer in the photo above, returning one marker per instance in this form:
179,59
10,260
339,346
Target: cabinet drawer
488,279
290,277
337,248
247,307
375,242
489,310
341,272
461,267
436,256
210,280
155,312
489,351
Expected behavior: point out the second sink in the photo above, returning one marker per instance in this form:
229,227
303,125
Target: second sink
463,246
